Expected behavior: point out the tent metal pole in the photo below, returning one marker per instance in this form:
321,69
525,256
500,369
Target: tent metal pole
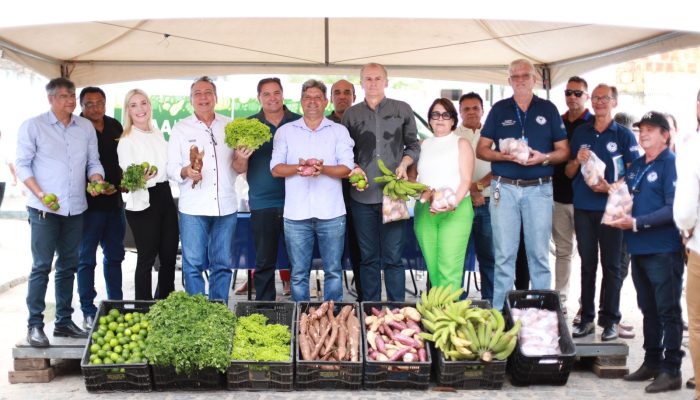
327,39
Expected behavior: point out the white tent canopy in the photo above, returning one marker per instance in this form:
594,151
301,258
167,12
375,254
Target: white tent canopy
97,47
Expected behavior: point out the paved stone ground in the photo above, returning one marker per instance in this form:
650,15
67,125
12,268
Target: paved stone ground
15,262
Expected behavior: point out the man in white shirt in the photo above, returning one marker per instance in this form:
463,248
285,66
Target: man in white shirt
687,218
471,109
208,208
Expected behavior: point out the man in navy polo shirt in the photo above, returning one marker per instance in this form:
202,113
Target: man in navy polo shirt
522,191
657,261
616,146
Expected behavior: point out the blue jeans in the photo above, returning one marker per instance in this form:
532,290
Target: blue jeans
380,245
658,280
594,238
483,241
51,233
104,228
299,237
533,206
207,244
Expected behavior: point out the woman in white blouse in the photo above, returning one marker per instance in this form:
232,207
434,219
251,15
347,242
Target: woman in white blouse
446,163
151,212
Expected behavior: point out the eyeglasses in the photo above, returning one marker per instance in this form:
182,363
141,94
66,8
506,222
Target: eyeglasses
602,99
92,105
577,93
437,115
520,77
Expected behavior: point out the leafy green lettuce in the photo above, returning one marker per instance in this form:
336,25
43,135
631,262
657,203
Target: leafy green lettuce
255,340
250,133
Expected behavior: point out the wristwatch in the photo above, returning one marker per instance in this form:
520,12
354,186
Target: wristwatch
546,160
479,187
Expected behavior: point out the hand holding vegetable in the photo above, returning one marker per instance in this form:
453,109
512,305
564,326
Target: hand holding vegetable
242,152
196,164
311,167
358,179
515,150
443,200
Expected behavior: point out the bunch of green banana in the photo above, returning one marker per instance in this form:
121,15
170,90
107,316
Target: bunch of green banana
462,332
398,188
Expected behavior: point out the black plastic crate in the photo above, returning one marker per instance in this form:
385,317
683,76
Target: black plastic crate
394,374
469,374
258,375
343,375
116,377
550,369
166,378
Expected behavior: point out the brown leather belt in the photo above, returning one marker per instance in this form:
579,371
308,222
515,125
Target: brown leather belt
523,182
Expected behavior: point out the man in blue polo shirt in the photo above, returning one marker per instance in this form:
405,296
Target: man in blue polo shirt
522,190
266,193
616,146
655,247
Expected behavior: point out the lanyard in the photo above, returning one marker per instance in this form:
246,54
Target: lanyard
522,119
638,178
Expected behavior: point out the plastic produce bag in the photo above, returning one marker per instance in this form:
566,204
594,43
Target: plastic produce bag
394,210
619,203
539,335
516,147
443,199
593,170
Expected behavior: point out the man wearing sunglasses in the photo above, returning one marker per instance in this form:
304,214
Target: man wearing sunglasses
522,191
616,146
576,95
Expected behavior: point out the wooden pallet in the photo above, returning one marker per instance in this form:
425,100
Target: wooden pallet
605,359
33,364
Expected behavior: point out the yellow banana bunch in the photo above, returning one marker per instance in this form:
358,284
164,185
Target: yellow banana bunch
463,332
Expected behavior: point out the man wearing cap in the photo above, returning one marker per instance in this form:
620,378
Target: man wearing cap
522,191
656,250
615,146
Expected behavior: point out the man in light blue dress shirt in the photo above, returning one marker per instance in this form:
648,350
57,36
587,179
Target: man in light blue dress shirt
56,154
313,203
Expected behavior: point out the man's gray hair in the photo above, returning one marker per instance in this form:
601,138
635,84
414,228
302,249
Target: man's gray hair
56,83
203,79
613,89
313,83
521,61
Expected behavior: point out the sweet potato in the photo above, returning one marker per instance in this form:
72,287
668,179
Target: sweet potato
399,354
413,325
319,344
408,341
330,342
422,357
196,161
411,313
342,340
376,312
354,337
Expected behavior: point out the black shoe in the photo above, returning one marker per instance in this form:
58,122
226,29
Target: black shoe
609,333
644,373
665,382
36,337
88,322
583,329
690,384
71,330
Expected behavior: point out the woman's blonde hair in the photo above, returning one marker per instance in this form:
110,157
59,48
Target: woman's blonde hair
128,123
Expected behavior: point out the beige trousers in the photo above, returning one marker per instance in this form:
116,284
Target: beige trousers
692,297
563,236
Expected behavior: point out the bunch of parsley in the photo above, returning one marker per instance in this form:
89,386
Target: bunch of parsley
254,340
190,333
133,178
250,133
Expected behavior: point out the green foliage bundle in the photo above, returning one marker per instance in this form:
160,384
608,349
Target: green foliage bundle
190,333
250,133
133,178
255,340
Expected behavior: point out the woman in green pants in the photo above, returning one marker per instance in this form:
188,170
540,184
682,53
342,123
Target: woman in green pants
446,162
